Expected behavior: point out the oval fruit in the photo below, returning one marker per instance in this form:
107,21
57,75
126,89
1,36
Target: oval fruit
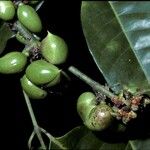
29,18
7,10
12,62
32,90
41,72
55,81
100,118
85,103
54,49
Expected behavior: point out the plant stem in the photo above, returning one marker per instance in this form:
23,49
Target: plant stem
34,122
31,40
54,140
65,75
24,32
39,5
95,85
28,48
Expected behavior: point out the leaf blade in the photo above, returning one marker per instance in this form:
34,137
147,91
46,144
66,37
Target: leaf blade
79,138
135,27
110,48
140,144
82,138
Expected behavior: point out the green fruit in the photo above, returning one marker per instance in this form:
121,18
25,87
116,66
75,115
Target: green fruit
29,18
32,90
95,117
12,62
54,49
7,10
55,81
41,72
100,118
85,103
21,39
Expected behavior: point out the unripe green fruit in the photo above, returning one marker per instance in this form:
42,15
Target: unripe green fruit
32,90
41,72
20,38
29,18
100,118
7,10
54,49
55,81
12,62
86,102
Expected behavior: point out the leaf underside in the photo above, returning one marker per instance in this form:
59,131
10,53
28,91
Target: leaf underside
118,37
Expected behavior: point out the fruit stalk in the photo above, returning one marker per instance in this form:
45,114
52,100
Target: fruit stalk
39,5
31,40
95,85
34,122
23,31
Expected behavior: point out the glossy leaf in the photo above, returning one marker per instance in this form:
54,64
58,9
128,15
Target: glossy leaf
117,34
5,35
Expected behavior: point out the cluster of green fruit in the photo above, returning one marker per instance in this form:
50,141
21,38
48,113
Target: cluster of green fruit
41,72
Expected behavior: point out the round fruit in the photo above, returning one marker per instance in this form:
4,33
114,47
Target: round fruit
29,18
85,103
54,49
32,90
12,62
7,10
41,72
100,118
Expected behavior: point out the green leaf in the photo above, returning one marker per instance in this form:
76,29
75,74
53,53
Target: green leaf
77,138
5,34
81,138
115,146
118,37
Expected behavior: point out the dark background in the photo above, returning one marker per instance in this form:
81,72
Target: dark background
57,113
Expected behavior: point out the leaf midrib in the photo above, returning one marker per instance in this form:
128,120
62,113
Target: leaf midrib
119,21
